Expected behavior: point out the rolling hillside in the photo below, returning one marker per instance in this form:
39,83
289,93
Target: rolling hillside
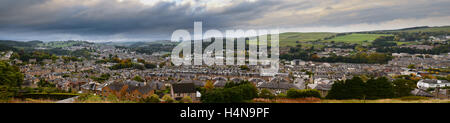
419,29
294,38
357,38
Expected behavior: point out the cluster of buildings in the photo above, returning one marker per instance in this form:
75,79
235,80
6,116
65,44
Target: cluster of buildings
183,80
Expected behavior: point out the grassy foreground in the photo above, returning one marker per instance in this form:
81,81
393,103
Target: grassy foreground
408,99
357,38
387,101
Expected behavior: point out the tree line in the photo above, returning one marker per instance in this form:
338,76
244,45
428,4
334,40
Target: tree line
374,88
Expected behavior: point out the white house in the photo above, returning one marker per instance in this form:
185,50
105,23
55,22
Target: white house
432,83
298,62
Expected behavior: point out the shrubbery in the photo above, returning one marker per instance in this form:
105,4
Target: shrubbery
413,98
265,93
232,93
151,99
297,93
378,88
168,99
186,99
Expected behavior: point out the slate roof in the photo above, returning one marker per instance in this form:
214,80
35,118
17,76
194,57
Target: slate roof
257,80
276,85
204,78
278,80
184,88
220,78
433,81
196,82
145,89
133,85
116,86
419,92
157,85
325,87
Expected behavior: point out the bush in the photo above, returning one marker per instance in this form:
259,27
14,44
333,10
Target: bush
248,91
233,93
379,88
168,99
403,87
149,66
413,98
281,95
10,75
89,98
295,93
430,89
112,98
350,89
186,99
265,93
151,99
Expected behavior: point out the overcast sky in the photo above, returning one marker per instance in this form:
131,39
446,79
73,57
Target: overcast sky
146,20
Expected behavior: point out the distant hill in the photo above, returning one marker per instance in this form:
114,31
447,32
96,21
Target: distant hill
17,45
295,38
419,29
60,44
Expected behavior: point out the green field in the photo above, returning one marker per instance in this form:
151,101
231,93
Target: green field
291,38
429,29
407,43
357,38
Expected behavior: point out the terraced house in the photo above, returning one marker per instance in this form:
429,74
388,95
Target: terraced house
132,90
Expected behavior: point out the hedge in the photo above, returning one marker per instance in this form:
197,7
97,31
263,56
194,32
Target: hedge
296,93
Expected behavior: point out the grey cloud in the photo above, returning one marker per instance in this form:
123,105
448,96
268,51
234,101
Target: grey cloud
108,19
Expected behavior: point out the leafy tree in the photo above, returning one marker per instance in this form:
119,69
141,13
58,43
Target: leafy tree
248,91
186,99
281,95
162,64
379,88
102,78
122,64
356,88
297,93
349,89
244,67
10,75
43,83
233,93
149,65
265,93
403,87
168,99
138,78
151,99
209,85
141,61
215,96
412,66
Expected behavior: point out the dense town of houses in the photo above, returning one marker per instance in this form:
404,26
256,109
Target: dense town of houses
183,80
